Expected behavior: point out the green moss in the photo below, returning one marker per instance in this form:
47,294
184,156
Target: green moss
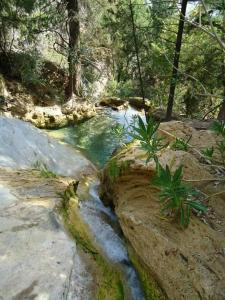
151,290
108,279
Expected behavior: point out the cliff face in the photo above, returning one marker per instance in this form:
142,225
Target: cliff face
187,264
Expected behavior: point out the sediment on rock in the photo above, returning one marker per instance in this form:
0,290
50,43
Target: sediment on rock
187,264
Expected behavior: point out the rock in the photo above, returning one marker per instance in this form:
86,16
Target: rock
187,264
159,114
46,117
199,139
137,102
3,90
114,102
23,145
38,258
51,117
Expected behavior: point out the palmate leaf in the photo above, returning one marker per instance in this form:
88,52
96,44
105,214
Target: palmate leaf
219,128
176,197
197,205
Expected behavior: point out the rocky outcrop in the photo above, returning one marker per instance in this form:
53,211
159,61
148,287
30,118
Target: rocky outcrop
187,264
56,116
114,102
39,260
23,146
117,103
138,103
20,102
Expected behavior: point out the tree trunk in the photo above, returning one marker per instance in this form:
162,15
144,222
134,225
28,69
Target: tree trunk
221,115
176,61
74,82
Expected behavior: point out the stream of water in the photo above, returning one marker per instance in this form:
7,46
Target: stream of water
96,140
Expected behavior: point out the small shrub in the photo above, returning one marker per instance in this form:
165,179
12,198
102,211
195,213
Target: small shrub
119,132
221,149
208,153
177,198
181,144
44,170
121,89
147,135
219,128
116,168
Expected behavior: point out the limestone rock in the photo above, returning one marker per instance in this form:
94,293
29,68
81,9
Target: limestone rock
187,264
137,102
38,258
114,102
22,146
51,117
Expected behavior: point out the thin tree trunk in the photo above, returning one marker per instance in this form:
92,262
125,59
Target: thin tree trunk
221,115
137,53
74,82
173,82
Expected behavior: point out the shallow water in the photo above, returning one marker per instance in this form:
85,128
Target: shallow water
105,229
96,139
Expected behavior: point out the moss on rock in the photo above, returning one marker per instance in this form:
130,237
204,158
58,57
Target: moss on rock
108,279
151,289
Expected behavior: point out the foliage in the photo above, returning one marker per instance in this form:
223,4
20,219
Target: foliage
119,132
177,198
116,168
219,128
221,149
147,135
181,144
121,89
208,152
44,170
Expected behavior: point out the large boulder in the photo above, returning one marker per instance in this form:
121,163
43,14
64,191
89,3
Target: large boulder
138,103
55,116
38,259
114,102
23,146
187,264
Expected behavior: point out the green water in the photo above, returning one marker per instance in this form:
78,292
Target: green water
96,137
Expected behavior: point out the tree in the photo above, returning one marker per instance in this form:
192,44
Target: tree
74,82
176,60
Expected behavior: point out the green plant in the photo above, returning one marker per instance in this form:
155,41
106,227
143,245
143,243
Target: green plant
177,198
181,144
221,149
116,168
70,192
219,128
44,170
119,132
208,152
147,135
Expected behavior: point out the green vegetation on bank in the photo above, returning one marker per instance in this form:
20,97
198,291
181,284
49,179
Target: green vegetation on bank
108,279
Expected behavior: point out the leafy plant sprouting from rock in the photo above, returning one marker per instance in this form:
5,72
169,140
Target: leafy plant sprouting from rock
219,128
181,144
116,168
147,135
177,198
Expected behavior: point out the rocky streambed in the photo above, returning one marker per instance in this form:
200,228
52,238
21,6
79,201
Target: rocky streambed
53,246
72,245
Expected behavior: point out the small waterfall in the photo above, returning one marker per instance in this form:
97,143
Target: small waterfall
104,226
